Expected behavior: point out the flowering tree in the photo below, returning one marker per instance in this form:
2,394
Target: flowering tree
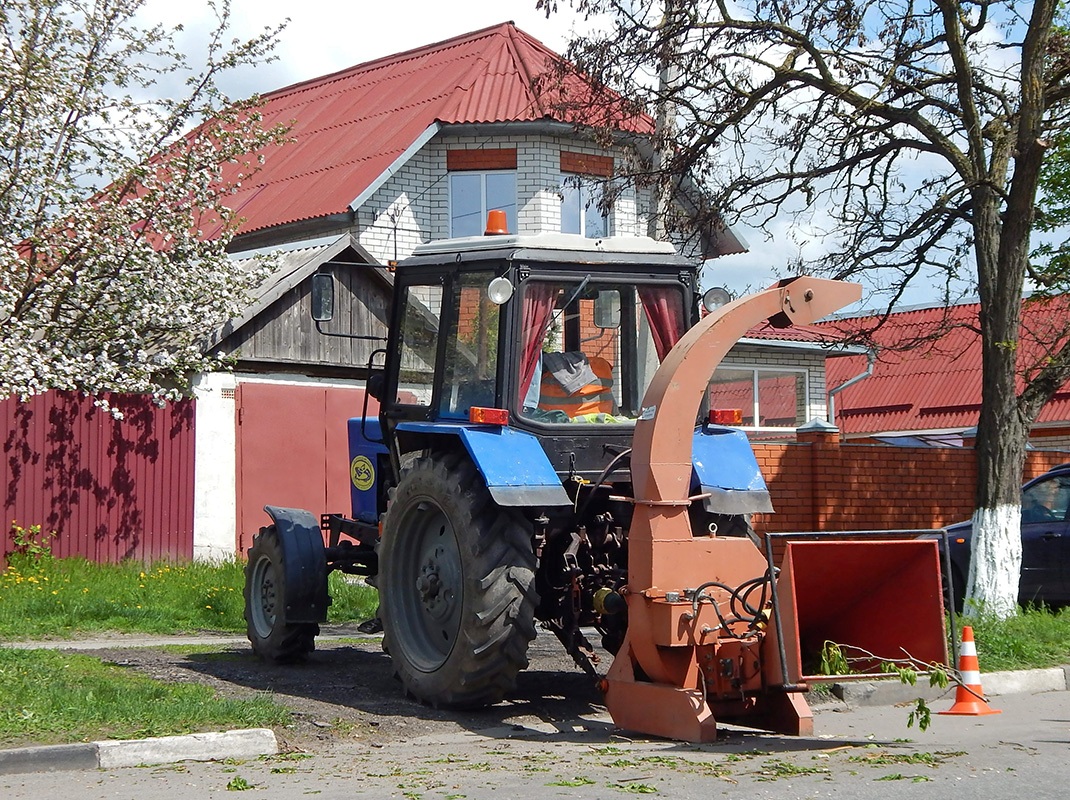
113,216
907,137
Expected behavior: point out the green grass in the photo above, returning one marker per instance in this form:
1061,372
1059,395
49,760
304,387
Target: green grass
48,697
1037,637
47,596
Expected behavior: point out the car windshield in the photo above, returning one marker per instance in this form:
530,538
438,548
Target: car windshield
589,349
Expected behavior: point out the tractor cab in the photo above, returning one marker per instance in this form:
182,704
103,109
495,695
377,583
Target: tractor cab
554,334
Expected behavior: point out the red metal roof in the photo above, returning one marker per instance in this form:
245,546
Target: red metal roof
937,384
809,334
349,127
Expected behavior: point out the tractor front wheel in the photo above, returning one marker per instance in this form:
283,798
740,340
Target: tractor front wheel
456,586
273,638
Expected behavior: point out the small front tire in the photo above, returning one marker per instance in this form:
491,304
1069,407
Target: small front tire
273,638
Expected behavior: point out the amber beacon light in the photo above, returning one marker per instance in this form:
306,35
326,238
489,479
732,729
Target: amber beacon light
497,225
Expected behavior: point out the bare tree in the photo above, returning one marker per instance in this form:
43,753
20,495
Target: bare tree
908,137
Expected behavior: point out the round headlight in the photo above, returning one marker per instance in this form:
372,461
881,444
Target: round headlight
715,298
499,290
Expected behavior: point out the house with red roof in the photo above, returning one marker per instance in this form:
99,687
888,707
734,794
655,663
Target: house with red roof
930,392
384,156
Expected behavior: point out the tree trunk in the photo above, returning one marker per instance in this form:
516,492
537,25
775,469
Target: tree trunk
664,131
996,562
1002,249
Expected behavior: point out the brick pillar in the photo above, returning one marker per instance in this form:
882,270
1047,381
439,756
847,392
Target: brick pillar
824,440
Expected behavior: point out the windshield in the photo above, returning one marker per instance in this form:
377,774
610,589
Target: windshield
589,349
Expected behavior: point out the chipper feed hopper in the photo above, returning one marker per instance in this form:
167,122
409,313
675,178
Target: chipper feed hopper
544,452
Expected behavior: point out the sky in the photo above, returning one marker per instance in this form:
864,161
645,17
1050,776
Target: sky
324,36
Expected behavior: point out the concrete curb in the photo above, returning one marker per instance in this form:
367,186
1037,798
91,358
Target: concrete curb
247,743
890,692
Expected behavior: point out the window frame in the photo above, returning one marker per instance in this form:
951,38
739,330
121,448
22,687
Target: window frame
630,377
755,370
585,187
511,216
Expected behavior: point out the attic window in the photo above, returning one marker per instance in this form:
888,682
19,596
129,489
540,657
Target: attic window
585,179
583,207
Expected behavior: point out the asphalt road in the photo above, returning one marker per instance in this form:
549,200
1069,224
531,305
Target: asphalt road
569,748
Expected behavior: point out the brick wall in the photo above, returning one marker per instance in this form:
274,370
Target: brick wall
483,158
817,483
586,164
412,206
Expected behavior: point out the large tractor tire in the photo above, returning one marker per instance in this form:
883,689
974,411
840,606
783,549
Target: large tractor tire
272,637
456,586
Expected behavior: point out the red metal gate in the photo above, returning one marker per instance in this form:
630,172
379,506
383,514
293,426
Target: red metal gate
292,450
111,489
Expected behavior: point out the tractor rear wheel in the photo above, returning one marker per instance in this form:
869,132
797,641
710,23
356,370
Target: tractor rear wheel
456,586
273,639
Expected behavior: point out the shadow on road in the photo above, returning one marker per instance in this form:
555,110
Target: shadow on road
355,682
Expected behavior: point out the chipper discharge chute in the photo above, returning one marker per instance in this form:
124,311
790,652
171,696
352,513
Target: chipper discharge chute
712,633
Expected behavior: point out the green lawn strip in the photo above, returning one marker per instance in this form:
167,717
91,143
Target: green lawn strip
41,597
1037,637
47,697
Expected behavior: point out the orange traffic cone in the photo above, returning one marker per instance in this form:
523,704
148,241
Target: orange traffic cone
969,697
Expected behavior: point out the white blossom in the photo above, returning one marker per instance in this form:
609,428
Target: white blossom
106,280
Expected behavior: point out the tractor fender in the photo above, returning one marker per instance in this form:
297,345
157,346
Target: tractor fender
513,464
304,564
727,471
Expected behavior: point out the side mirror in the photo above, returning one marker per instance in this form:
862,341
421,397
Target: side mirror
376,384
322,297
607,309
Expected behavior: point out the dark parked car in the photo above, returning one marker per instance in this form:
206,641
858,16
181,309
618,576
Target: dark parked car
1045,542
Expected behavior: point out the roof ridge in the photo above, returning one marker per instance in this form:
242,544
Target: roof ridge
511,42
481,69
395,58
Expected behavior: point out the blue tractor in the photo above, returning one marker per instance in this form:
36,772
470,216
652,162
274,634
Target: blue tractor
492,489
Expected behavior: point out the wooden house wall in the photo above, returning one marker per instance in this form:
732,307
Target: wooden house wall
285,334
